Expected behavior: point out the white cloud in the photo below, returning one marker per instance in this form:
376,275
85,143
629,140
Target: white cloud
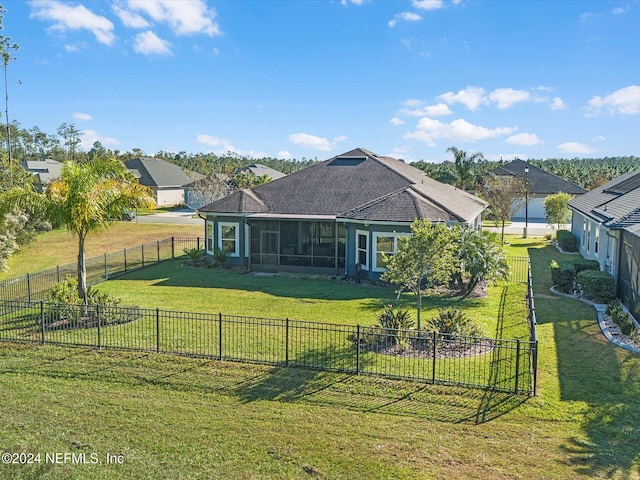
507,97
148,43
396,121
404,16
185,17
417,109
428,130
575,147
317,143
82,116
557,104
130,19
599,138
471,97
427,4
211,141
619,10
525,139
625,101
355,2
67,17
89,137
284,154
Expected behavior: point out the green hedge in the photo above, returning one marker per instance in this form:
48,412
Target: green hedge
567,241
597,285
563,274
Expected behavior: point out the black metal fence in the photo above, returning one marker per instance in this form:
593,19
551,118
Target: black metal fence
36,286
498,364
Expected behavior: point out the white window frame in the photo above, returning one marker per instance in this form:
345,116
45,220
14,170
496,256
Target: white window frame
375,252
209,236
358,249
236,226
596,239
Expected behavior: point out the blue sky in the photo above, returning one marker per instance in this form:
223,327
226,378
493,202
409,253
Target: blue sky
315,78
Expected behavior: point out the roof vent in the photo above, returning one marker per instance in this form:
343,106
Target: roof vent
346,161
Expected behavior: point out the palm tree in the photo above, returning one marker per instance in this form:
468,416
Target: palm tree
86,199
464,167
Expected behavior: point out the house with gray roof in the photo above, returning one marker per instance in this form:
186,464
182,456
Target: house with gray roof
606,222
260,170
540,185
166,179
336,217
44,171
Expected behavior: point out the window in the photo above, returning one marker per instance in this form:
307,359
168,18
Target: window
362,249
228,238
385,243
584,232
589,237
596,239
209,237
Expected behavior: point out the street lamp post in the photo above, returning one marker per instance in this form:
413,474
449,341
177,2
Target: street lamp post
526,201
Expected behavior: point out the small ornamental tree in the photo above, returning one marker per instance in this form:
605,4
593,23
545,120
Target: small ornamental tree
422,260
506,196
480,257
556,209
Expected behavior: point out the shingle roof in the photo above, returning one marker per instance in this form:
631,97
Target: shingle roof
540,182
154,172
45,170
615,204
361,185
259,170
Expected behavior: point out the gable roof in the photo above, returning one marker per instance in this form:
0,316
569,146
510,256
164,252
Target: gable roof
615,204
45,170
358,185
540,181
259,170
154,172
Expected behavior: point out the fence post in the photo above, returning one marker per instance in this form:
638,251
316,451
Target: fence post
106,269
358,349
220,336
198,243
58,273
42,322
125,260
433,360
517,364
158,244
173,248
28,287
142,250
535,368
158,330
286,343
99,337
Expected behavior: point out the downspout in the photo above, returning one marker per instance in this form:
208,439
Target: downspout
335,249
247,242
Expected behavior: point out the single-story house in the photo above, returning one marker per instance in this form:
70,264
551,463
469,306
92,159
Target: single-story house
338,216
44,171
260,170
166,179
606,222
540,185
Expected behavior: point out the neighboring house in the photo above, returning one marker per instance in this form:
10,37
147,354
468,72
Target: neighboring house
540,185
260,170
43,170
337,216
606,222
166,179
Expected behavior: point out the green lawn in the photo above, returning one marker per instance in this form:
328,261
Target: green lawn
172,417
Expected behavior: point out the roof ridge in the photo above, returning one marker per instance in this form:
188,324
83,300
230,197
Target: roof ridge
373,202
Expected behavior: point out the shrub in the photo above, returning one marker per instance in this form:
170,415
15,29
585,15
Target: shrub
219,257
398,320
567,241
563,274
194,254
451,322
597,285
620,317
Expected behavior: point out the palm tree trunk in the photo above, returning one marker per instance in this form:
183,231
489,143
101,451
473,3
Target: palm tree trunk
82,270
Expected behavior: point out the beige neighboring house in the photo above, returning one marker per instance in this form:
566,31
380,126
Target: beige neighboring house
44,171
167,180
